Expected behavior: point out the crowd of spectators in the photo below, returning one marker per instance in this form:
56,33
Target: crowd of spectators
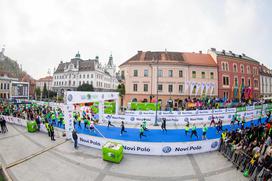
250,150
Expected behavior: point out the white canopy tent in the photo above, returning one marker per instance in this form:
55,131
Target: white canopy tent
77,97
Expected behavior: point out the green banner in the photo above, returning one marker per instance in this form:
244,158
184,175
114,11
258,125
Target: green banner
144,106
240,109
269,106
258,106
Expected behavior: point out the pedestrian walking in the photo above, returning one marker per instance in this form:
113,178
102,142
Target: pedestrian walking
75,137
47,128
52,133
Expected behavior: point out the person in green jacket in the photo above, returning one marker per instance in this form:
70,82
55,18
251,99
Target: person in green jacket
204,132
47,127
187,128
194,132
60,119
145,125
53,118
141,131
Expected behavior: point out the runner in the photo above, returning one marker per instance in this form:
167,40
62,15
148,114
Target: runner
122,128
212,121
91,123
163,126
187,128
204,132
194,132
142,132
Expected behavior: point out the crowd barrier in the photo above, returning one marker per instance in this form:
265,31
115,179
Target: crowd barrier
242,161
152,148
140,148
180,119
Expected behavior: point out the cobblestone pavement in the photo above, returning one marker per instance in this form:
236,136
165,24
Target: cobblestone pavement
32,156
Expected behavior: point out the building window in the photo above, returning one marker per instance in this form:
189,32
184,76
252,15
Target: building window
135,87
211,75
225,80
256,83
180,88
88,76
1,85
170,88
243,82
193,74
122,74
8,86
5,86
226,95
242,68
248,70
160,87
145,73
203,75
180,73
234,67
80,76
74,83
249,82
236,81
135,73
91,75
145,87
79,83
170,73
160,73
223,66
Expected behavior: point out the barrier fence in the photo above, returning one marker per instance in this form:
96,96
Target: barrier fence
245,163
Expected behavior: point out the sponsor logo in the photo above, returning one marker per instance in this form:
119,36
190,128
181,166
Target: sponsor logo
136,148
166,149
70,97
214,144
108,116
189,148
93,142
88,96
132,118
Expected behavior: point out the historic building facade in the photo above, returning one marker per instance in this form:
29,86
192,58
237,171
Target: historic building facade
172,75
238,75
70,75
265,82
5,85
45,81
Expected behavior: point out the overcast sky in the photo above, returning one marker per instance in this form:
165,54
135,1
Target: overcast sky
39,34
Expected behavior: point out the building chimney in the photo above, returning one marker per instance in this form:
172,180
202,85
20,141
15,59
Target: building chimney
200,52
140,51
243,54
213,49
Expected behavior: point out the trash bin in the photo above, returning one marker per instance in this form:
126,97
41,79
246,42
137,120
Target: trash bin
31,126
112,152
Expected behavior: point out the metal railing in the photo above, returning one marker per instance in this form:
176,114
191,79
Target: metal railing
242,161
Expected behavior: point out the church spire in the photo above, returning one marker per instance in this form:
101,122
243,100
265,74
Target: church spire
77,55
110,62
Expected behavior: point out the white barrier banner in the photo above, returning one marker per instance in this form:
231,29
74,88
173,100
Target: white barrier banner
219,111
153,148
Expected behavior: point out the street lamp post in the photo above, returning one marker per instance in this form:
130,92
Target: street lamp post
157,92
